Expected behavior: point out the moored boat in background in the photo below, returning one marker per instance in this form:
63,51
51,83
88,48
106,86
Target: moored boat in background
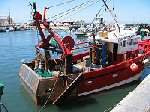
81,32
2,29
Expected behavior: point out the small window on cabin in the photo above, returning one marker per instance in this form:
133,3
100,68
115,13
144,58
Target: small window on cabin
124,43
120,43
131,42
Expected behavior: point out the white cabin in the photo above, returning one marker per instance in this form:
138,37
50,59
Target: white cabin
121,45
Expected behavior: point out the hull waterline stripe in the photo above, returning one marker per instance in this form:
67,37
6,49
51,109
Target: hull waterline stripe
113,85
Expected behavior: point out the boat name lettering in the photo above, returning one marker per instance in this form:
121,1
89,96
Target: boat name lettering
126,37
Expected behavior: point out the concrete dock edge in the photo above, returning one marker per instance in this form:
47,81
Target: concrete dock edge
136,101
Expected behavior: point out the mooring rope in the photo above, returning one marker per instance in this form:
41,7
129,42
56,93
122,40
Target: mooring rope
48,97
1,104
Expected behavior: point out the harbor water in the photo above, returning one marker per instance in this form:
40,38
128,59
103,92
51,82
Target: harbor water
15,46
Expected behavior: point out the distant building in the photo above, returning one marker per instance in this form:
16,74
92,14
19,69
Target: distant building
6,21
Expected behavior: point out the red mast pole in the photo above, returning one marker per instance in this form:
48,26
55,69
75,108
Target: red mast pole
44,43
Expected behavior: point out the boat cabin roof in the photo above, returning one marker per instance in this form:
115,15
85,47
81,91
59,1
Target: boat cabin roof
116,37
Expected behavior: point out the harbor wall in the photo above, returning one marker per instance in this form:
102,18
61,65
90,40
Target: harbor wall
136,101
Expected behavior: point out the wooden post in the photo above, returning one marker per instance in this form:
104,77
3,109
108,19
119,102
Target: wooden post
68,64
47,57
94,52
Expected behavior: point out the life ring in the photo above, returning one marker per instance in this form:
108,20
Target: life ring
134,67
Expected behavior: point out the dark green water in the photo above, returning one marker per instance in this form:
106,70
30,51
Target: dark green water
15,46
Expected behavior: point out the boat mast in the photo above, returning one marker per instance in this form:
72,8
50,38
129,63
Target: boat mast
9,18
44,43
113,15
38,18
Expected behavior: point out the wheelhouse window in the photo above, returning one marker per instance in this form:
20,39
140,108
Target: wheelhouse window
130,43
124,43
120,43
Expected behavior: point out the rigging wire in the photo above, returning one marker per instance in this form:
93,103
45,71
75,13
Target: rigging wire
66,11
80,10
48,97
60,15
78,7
110,11
99,11
63,3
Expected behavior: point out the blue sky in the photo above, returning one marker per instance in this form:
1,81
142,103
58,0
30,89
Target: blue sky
127,11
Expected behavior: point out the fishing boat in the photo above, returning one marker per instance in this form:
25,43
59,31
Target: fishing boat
81,32
113,59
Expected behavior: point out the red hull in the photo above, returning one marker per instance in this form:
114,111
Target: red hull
111,76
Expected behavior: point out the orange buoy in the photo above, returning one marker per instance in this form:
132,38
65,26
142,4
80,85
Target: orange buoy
36,101
134,67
